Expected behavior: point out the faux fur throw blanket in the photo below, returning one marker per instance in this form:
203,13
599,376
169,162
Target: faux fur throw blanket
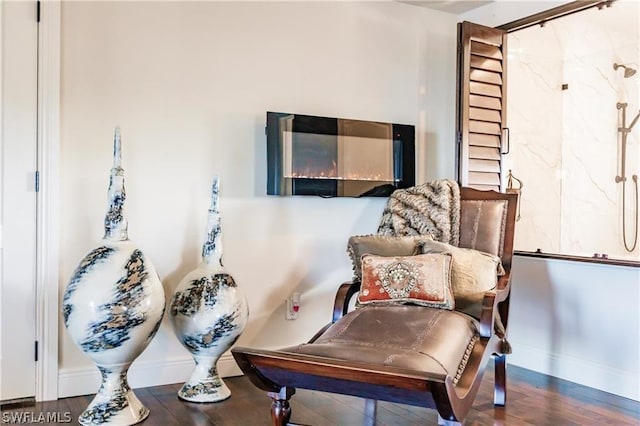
432,208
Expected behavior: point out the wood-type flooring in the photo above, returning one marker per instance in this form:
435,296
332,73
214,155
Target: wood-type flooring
533,399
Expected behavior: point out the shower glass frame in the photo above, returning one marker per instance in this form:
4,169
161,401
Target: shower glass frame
586,223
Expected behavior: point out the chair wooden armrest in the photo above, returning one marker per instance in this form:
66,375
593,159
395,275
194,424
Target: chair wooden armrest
340,304
490,305
343,296
487,316
504,287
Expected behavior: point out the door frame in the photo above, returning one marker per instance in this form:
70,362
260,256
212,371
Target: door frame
46,256
48,201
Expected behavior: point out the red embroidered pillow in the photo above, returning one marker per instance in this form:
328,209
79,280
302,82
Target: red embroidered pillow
423,280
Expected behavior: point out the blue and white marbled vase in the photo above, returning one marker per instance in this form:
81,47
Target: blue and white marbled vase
112,308
208,313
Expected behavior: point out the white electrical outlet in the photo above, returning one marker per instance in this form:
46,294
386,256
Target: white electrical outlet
293,306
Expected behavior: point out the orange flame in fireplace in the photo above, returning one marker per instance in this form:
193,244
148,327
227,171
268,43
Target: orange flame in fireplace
311,171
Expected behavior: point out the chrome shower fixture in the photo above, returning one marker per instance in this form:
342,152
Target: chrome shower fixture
628,71
624,130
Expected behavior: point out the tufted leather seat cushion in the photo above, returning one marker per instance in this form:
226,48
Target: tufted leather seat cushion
425,339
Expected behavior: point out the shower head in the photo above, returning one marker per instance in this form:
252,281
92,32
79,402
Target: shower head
628,71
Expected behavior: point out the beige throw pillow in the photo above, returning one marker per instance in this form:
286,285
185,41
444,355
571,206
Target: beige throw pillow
472,273
381,245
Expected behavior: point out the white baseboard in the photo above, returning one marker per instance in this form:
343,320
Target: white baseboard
581,371
86,380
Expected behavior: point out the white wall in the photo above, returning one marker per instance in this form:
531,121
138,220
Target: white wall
189,84
577,321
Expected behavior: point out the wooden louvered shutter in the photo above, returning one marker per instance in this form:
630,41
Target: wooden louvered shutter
481,105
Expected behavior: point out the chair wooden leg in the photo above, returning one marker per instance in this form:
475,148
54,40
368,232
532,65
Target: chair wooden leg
443,422
370,411
280,408
500,389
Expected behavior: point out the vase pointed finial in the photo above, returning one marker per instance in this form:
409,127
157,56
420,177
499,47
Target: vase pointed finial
212,247
117,149
115,224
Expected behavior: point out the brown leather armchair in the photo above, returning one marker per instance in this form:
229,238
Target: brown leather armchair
408,354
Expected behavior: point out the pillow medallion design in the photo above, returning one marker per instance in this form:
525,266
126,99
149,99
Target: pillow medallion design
422,279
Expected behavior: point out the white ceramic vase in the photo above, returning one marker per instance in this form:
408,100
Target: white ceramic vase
208,313
112,308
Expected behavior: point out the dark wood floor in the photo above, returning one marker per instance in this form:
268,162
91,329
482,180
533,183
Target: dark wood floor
533,399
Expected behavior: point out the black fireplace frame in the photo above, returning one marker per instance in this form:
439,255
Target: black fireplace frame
277,184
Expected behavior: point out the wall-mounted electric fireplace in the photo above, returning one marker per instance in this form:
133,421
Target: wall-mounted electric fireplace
336,157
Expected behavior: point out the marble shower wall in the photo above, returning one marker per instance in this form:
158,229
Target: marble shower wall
564,140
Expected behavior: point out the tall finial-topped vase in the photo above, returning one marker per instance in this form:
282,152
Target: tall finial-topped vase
208,314
112,308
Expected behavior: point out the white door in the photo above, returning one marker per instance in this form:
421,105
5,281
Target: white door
18,85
